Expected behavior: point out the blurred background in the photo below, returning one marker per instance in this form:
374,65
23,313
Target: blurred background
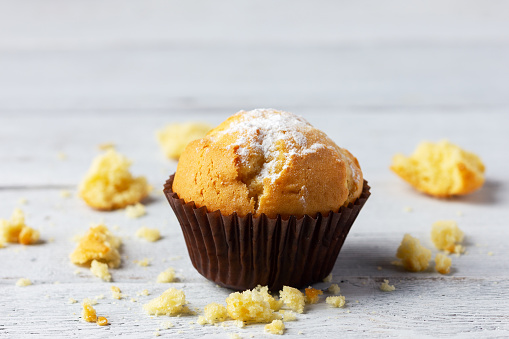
142,57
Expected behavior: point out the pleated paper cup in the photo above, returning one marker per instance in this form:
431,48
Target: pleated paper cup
243,252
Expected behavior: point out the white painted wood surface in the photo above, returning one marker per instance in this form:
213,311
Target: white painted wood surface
377,77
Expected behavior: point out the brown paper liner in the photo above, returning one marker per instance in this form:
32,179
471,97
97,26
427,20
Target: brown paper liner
243,252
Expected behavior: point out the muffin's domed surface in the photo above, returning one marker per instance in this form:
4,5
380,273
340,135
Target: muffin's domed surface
267,161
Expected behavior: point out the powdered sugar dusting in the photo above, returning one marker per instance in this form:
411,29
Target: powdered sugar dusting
261,130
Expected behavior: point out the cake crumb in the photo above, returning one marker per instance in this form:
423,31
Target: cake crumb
61,156
166,276
234,336
15,230
116,293
490,253
447,236
293,298
414,257
214,312
385,287
255,305
135,211
312,295
408,209
171,303
442,263
440,169
100,270
109,185
275,327
23,282
157,334
149,234
379,268
239,323
102,321
88,313
334,289
336,301
328,278
97,244
143,262
300,332
288,315
174,138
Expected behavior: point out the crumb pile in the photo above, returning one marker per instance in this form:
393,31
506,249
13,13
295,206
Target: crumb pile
97,244
440,169
109,185
16,231
174,138
256,305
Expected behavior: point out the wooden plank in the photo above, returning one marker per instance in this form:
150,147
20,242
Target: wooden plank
171,79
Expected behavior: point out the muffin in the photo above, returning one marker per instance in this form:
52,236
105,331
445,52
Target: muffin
265,198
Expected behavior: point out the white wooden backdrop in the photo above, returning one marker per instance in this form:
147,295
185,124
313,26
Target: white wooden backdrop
378,77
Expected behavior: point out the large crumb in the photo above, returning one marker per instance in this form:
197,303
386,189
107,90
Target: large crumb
385,287
442,263
97,244
149,234
100,270
440,169
88,313
255,305
328,278
447,236
414,257
171,303
275,327
16,231
312,295
109,185
166,276
293,298
174,138
213,313
135,211
22,282
337,301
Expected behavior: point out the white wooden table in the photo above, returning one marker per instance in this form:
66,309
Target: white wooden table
376,77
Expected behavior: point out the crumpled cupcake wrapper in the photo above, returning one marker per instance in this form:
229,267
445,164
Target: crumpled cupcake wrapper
243,252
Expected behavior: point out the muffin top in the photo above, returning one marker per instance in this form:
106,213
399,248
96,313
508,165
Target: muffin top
267,161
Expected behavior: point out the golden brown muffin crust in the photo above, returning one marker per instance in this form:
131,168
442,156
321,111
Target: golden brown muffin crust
267,161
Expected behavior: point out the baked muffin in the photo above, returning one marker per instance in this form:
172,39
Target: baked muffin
265,199
271,162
